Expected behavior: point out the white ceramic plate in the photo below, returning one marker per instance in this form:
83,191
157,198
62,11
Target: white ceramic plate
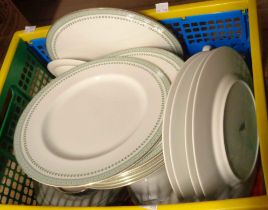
131,175
92,33
211,85
60,70
169,63
177,137
85,125
166,124
63,62
234,118
59,66
187,119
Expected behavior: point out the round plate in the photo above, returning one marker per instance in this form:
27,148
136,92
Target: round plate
59,66
221,62
132,175
177,137
188,127
165,60
240,130
85,125
170,64
60,70
165,131
236,130
93,33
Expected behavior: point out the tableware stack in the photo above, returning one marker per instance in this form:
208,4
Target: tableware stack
98,124
125,110
210,139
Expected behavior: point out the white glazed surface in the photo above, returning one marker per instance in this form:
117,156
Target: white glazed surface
93,33
204,99
60,70
98,90
177,137
188,131
59,66
165,131
168,62
238,129
64,62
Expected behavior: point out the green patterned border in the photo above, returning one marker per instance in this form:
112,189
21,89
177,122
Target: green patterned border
175,61
111,13
56,179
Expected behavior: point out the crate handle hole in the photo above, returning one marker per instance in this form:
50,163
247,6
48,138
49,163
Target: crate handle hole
219,21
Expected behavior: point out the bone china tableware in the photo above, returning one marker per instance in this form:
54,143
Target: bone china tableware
95,96
218,138
93,33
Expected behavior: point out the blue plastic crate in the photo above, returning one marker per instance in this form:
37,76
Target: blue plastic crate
219,29
194,32
39,47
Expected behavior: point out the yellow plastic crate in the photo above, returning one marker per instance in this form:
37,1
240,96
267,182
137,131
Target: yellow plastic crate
208,7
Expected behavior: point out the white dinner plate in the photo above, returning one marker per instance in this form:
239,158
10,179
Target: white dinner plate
166,124
188,125
168,62
63,62
59,66
131,175
234,118
93,122
92,33
60,70
213,82
177,137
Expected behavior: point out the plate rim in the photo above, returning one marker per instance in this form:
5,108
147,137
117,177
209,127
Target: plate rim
33,172
52,65
152,51
190,147
188,190
157,27
166,126
242,74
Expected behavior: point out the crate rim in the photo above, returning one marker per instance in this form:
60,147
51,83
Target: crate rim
206,7
252,203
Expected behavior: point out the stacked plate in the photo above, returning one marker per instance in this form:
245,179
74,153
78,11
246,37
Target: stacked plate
210,139
98,124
